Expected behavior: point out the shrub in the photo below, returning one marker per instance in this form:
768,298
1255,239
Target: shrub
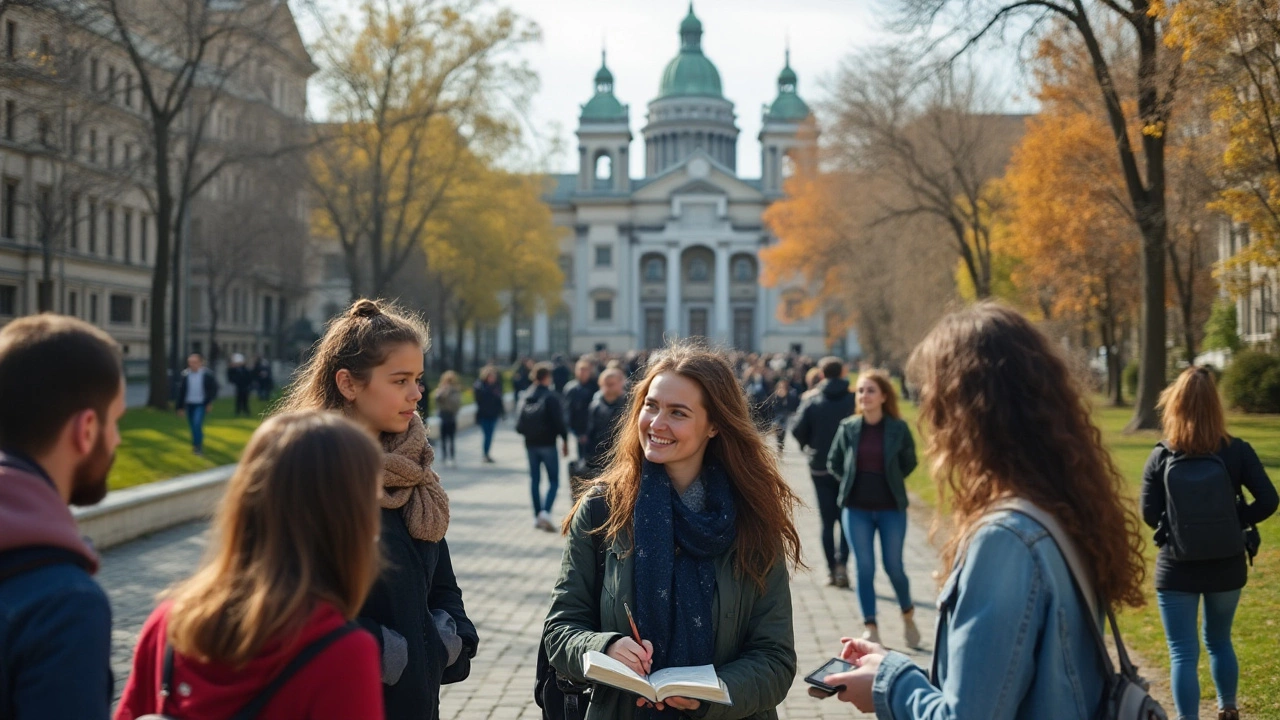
1129,376
1221,330
1252,382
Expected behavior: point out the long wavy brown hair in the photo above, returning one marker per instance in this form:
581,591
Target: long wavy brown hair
1192,418
764,501
1004,417
298,525
885,383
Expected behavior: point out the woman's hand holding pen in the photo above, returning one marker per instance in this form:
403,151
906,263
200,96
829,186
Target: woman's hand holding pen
638,657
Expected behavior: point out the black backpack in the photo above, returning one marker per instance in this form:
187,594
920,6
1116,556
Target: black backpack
559,697
1202,522
531,419
255,706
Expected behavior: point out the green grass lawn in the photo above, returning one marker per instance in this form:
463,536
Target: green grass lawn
1257,624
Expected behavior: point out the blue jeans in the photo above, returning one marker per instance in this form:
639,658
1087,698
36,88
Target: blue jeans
860,527
195,421
545,456
487,426
1178,614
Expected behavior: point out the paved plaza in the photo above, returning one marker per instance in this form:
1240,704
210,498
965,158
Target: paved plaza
506,570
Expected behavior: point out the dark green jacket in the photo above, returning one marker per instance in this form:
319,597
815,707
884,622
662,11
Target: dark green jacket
754,643
899,456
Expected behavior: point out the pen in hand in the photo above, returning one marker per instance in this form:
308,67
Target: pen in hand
635,631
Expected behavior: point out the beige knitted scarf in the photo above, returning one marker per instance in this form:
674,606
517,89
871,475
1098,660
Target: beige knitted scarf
411,485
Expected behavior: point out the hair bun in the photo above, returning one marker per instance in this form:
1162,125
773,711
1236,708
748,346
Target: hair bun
365,309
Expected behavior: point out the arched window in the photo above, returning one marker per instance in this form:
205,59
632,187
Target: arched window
744,270
788,166
699,271
604,170
654,270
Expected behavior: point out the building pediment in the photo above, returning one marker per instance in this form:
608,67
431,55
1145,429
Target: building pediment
698,174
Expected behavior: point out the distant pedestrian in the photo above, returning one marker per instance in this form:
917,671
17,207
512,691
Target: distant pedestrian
242,378
264,381
1007,426
578,395
489,406
871,455
560,374
541,421
816,424
1191,492
603,417
777,409
521,378
294,558
367,366
448,403
196,394
698,540
62,384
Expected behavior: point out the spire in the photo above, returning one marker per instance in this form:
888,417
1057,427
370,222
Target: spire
691,32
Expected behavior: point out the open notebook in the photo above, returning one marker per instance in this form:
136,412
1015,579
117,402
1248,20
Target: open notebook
699,683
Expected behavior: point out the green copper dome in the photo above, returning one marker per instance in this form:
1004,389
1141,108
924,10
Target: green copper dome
788,107
690,73
603,105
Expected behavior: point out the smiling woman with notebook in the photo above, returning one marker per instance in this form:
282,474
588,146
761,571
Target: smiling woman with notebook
697,542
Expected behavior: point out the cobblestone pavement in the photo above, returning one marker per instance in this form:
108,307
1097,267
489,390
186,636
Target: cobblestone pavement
506,569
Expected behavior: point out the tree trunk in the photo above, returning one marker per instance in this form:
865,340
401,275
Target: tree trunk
515,331
44,287
459,335
1151,353
213,324
157,375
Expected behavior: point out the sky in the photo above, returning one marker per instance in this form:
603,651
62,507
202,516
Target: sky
746,39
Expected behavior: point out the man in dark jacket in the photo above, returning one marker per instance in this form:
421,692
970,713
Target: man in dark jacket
541,420
603,417
578,395
196,394
819,417
560,374
62,381
241,377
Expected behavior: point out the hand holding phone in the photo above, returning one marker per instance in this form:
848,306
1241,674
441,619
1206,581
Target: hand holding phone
819,688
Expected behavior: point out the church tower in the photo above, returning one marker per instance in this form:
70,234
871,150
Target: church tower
604,139
788,132
690,112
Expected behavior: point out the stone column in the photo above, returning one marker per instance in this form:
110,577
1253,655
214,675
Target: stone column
673,289
580,252
541,333
722,330
764,310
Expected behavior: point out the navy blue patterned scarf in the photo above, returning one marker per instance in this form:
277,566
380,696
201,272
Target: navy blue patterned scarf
675,567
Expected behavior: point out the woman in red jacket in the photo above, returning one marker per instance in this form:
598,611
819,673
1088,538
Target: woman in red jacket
293,557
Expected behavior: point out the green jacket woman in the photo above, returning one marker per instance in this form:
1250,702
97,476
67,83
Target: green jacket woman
699,526
899,457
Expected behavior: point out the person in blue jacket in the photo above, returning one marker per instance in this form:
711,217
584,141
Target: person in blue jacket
62,381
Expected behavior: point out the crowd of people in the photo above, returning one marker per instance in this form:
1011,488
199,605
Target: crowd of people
328,590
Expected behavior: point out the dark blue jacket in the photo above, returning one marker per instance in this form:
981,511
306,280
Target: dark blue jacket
488,400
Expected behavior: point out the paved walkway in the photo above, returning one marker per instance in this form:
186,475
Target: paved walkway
506,570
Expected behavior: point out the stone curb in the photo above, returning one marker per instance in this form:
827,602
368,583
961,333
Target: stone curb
133,512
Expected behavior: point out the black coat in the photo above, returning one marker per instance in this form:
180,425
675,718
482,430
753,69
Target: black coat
417,579
488,400
603,419
210,389
577,398
242,377
820,416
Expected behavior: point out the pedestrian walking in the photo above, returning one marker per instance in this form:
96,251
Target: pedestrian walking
448,403
62,381
541,421
1192,494
603,417
560,374
777,410
264,381
489,406
578,395
871,455
367,366
242,379
521,378
264,628
1008,428
196,394
816,424
699,518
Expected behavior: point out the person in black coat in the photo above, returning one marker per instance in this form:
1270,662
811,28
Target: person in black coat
577,396
815,428
489,406
242,378
603,418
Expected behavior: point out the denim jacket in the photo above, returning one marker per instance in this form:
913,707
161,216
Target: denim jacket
1015,643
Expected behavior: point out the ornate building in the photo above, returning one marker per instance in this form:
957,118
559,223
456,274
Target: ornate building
675,253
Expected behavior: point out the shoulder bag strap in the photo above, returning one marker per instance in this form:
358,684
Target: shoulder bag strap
299,661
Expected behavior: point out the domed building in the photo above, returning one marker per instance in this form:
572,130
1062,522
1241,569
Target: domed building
675,253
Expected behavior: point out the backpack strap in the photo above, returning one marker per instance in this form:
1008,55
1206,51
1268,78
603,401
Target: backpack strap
259,702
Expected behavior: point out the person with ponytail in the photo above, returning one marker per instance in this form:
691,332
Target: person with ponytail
367,366
699,541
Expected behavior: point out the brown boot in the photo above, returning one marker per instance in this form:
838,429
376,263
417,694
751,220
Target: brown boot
1229,714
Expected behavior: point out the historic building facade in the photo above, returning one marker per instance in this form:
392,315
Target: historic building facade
675,253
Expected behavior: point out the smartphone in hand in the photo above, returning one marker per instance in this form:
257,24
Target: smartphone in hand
820,689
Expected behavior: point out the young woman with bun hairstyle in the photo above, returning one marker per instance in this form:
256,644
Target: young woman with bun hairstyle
367,366
699,541
1195,425
1005,420
293,555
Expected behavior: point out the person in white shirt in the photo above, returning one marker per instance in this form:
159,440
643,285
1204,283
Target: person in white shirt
195,395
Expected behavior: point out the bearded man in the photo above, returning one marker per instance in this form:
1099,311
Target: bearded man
61,397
